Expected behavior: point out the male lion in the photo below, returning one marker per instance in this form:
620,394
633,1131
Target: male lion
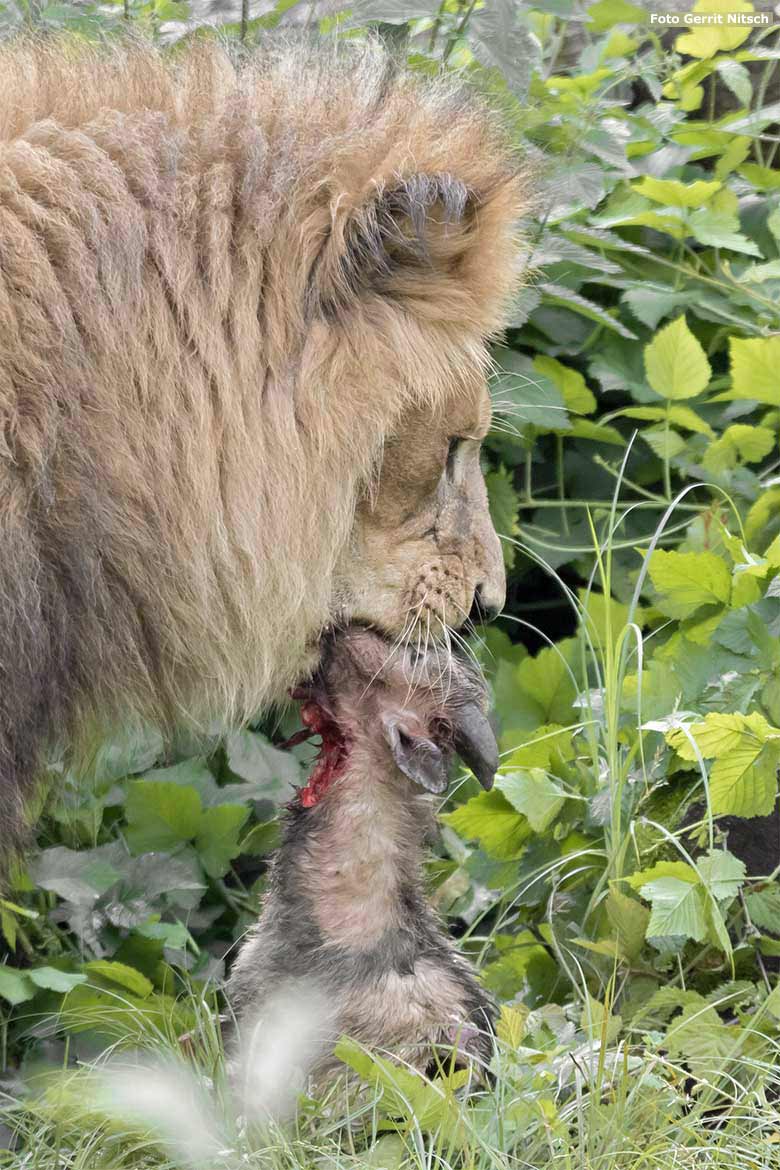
243,321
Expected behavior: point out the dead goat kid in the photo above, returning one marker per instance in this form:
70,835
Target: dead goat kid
346,911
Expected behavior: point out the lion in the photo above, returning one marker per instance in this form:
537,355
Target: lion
245,308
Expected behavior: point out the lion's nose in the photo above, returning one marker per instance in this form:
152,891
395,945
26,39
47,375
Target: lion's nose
486,606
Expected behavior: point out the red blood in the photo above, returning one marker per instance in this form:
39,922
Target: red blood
333,753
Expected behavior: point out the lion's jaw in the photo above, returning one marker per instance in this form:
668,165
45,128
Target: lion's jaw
423,548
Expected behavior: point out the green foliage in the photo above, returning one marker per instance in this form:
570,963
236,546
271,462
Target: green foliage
632,472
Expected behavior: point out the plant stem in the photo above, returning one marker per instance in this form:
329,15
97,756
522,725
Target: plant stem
667,470
561,481
528,502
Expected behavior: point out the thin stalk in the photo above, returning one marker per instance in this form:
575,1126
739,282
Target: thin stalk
561,481
667,469
529,502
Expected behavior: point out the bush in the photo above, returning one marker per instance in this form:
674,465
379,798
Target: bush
604,885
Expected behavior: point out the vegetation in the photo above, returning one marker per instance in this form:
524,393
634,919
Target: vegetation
602,886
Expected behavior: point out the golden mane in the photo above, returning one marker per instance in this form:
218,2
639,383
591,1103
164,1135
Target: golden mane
221,283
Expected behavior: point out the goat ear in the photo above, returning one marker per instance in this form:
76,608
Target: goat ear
418,757
395,243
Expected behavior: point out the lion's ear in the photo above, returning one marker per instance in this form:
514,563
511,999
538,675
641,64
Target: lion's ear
409,234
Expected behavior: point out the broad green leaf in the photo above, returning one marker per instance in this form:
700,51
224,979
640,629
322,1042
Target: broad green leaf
702,1039
79,877
526,397
161,815
546,684
532,793
763,906
677,908
572,385
679,416
664,442
739,443
511,1025
744,783
54,980
122,975
500,39
629,919
273,772
490,819
172,934
722,873
586,428
557,294
15,986
217,838
755,368
504,504
720,229
673,193
737,77
651,303
680,870
191,773
722,734
686,581
675,362
708,39
605,14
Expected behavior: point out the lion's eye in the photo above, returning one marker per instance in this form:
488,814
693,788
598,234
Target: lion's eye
452,451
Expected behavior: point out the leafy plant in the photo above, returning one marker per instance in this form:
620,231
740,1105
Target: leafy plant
610,887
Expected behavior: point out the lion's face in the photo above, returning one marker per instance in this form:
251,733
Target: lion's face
424,553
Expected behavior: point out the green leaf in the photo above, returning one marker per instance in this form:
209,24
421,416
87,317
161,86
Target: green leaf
722,873
274,773
755,369
673,193
628,919
122,975
218,834
546,684
738,443
161,815
676,869
675,362
490,819
15,986
766,178
663,442
763,906
686,581
585,428
504,504
605,14
556,294
680,416
572,385
699,1035
708,39
650,303
532,793
744,784
527,398
720,229
721,734
737,78
500,40
54,980
677,908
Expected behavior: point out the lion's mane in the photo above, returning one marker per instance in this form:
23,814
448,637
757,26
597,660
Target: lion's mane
219,282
